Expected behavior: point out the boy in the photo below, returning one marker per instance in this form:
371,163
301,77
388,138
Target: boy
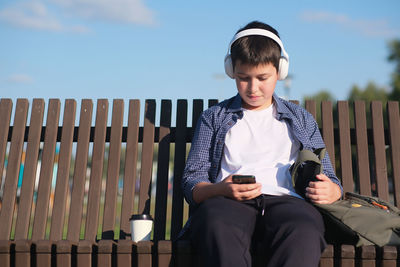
255,133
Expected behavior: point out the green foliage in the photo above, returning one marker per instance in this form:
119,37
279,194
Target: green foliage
323,95
371,92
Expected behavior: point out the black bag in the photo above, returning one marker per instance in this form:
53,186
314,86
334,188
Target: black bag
358,220
306,167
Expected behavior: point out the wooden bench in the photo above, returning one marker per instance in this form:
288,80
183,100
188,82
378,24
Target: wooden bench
80,184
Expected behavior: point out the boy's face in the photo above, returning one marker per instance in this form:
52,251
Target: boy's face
255,84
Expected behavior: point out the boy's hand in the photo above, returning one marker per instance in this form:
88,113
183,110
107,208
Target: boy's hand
239,191
323,191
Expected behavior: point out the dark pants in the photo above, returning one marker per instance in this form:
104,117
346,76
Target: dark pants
291,232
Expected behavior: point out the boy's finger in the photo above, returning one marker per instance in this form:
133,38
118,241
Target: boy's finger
322,177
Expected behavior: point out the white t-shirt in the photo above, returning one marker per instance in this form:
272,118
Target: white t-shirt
261,145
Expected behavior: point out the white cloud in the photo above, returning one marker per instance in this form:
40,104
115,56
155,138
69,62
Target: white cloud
126,11
35,15
52,15
19,78
369,28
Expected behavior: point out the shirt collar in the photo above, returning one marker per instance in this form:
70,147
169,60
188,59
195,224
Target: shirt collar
236,104
281,107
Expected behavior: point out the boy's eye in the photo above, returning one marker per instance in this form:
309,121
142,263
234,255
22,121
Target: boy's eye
262,78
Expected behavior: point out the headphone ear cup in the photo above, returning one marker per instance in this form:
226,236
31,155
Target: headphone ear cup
283,68
228,66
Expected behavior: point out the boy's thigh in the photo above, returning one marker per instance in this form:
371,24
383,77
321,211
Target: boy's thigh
225,211
281,210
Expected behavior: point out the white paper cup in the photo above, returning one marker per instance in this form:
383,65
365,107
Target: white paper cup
141,226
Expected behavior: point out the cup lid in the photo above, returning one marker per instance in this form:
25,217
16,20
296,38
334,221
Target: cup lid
141,217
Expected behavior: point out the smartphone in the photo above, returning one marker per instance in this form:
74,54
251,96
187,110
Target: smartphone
243,179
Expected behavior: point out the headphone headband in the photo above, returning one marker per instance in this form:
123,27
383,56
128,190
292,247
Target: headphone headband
260,32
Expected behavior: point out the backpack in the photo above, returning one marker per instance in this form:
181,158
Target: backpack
356,219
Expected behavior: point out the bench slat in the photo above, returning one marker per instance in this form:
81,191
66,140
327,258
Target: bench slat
79,178
162,171
5,117
96,172
345,146
360,121
114,158
311,107
327,130
131,155
64,163
147,157
30,167
46,170
179,165
197,110
394,129
13,167
212,102
379,150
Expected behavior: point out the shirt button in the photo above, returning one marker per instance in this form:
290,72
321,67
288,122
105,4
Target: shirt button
230,123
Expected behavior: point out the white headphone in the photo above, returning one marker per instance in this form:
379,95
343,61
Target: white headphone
283,62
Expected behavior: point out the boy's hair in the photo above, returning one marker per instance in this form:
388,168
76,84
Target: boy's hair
256,49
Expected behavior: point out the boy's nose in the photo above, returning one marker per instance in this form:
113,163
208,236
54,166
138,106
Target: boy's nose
252,87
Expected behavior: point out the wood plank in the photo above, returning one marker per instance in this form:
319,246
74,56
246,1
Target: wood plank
13,167
179,165
162,171
114,158
131,155
360,121
147,157
79,178
379,150
96,171
30,168
197,110
394,132
5,117
46,170
327,130
212,102
345,146
311,107
64,163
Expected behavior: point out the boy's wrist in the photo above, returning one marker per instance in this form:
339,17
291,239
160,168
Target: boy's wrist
204,190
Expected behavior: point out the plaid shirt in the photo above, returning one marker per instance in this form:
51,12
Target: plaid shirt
205,156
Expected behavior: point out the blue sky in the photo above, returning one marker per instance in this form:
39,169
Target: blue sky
175,49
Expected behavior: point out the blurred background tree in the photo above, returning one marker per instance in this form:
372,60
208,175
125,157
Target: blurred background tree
372,91
394,56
